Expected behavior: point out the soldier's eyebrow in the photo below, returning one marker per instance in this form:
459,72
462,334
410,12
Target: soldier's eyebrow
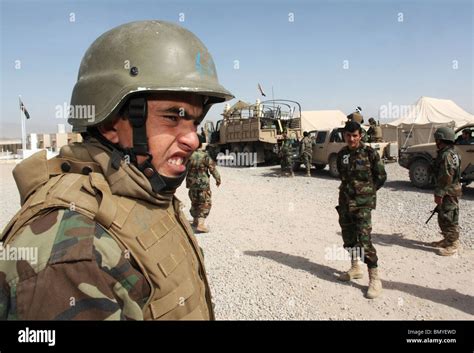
180,111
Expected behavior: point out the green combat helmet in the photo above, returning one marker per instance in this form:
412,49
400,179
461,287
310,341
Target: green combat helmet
126,63
444,133
142,56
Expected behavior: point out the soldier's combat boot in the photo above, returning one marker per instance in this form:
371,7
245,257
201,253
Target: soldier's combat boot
308,173
439,244
355,272
201,227
375,284
450,249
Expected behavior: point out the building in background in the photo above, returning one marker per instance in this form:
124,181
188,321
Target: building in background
52,143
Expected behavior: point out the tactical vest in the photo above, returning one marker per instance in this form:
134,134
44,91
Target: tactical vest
376,133
159,239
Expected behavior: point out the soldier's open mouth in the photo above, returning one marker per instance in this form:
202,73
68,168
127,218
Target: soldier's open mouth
176,164
176,161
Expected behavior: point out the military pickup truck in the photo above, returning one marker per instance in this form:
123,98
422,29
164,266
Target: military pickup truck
418,159
327,143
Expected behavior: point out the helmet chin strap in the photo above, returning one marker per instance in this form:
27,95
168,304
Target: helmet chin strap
137,115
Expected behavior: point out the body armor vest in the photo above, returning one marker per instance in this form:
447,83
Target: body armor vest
157,236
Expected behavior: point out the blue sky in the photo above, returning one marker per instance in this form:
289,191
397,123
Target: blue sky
390,62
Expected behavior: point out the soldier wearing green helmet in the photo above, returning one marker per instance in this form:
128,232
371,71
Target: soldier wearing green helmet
307,152
447,191
113,241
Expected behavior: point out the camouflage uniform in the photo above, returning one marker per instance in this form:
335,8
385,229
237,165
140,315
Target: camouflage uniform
94,264
307,152
286,151
81,273
364,135
197,181
362,173
448,187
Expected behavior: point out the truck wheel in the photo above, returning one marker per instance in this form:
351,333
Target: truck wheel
320,166
248,148
420,175
333,166
236,148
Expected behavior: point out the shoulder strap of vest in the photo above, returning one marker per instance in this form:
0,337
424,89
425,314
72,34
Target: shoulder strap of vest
89,195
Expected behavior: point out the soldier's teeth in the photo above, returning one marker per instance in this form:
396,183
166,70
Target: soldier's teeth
177,161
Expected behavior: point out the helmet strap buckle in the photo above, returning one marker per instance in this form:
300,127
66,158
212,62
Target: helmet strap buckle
137,114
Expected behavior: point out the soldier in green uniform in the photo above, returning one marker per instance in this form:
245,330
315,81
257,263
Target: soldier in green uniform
362,173
447,168
286,151
307,152
375,131
112,241
197,181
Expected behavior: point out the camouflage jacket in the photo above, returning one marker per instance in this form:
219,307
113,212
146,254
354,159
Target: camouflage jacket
307,145
447,169
199,166
63,265
364,134
362,173
286,148
79,272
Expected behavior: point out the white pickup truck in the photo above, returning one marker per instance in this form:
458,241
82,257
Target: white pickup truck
327,143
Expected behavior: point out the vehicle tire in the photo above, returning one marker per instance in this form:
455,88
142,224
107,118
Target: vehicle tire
333,166
248,151
248,148
236,148
320,166
420,174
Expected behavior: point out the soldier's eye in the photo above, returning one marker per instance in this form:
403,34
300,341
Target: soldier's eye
171,117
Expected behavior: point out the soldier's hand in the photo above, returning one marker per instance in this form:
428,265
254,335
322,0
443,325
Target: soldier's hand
438,200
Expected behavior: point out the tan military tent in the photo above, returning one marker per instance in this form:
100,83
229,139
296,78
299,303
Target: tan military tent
322,119
420,120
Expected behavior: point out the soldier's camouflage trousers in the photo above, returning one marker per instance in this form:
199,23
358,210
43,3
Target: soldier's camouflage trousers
356,227
200,202
307,159
448,216
286,163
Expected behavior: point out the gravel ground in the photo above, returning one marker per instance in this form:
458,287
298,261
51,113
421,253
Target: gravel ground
274,250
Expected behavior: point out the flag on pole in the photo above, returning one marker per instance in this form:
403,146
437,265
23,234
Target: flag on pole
23,109
261,90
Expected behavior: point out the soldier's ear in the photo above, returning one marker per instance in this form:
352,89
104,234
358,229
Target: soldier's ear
110,130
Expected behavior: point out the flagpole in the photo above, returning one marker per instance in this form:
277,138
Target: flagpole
23,129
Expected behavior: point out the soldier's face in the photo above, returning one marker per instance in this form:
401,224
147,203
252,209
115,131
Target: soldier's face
171,129
352,139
